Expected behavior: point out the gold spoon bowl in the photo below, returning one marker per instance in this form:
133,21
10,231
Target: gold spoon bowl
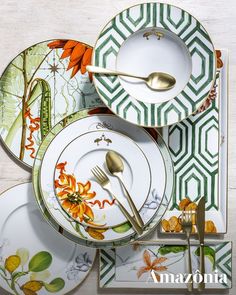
157,81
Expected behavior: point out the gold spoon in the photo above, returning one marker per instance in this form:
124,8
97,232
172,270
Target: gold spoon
157,81
116,168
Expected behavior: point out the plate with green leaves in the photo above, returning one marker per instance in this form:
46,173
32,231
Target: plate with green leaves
42,85
34,258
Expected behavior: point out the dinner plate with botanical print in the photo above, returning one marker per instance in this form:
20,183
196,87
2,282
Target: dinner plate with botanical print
43,84
161,178
154,37
74,166
34,257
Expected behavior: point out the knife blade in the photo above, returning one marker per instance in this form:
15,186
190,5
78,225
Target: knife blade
201,219
201,234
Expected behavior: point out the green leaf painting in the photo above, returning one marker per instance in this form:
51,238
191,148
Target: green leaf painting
45,110
164,250
55,286
122,228
15,88
36,92
40,261
209,253
13,81
15,269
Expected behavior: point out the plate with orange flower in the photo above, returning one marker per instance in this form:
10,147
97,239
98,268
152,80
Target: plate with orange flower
87,120
42,85
78,192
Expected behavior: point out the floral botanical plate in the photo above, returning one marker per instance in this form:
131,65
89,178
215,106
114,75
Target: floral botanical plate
41,86
136,266
198,147
74,166
34,257
154,37
161,172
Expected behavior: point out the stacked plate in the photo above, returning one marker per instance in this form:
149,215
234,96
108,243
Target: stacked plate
71,198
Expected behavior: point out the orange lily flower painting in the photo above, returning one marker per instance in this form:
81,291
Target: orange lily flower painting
74,195
155,265
76,198
79,55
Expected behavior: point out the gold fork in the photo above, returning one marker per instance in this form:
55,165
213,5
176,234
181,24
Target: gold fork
187,227
104,181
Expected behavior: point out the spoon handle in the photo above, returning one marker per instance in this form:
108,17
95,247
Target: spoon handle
131,204
100,70
132,220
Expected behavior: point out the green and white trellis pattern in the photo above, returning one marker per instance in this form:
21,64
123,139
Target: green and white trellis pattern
196,39
194,147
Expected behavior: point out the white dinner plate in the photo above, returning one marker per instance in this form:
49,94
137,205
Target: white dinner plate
79,193
34,257
161,178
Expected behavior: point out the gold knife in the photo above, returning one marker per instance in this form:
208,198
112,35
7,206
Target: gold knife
201,234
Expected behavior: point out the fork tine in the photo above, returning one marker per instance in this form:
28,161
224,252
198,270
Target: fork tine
93,170
190,215
186,217
101,173
98,171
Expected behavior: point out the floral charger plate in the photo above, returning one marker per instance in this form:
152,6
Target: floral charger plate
74,165
41,86
34,258
157,200
154,37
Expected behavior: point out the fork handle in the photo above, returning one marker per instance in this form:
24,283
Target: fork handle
131,204
190,284
133,222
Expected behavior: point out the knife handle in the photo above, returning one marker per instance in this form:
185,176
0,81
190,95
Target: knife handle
130,218
201,285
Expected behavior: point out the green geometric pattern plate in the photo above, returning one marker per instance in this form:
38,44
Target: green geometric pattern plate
198,43
119,267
